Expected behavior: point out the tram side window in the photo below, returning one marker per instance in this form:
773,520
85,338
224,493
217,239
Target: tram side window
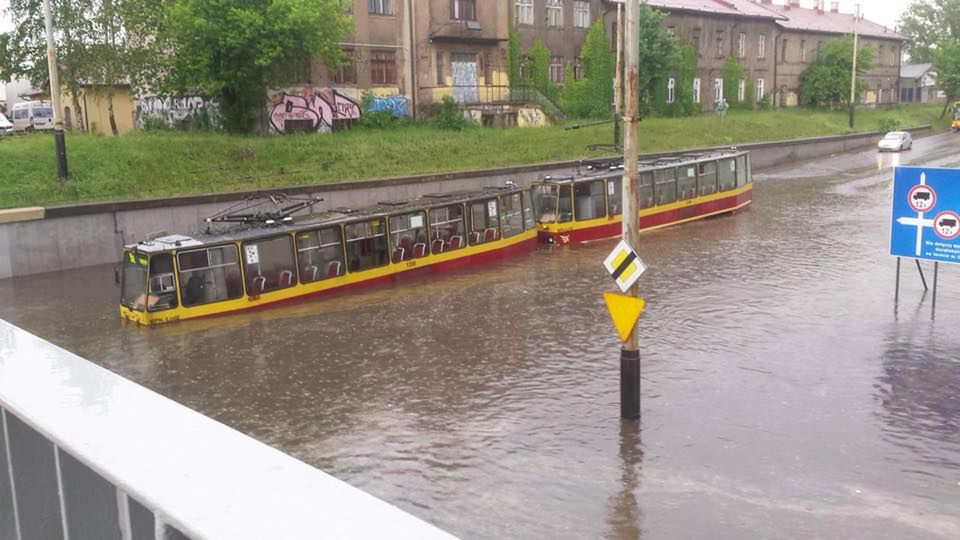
646,190
511,219
446,228
614,196
545,203
484,221
741,171
408,236
727,174
209,275
565,206
134,284
528,221
366,244
708,177
666,180
162,291
687,183
588,199
269,264
320,254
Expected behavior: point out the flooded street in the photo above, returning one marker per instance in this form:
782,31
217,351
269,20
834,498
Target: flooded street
784,395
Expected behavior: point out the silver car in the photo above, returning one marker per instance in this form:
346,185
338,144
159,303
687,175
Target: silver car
6,128
896,141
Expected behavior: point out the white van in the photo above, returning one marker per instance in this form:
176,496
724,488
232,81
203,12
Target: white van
31,115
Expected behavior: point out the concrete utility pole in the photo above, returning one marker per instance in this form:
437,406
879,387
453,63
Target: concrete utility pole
853,75
617,80
59,144
630,353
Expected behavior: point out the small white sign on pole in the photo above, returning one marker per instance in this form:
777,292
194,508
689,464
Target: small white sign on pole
624,266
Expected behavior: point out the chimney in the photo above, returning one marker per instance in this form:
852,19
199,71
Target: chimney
834,7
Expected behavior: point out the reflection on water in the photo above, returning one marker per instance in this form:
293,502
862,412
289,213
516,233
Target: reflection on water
781,396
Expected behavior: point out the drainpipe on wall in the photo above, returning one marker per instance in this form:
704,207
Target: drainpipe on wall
776,61
411,59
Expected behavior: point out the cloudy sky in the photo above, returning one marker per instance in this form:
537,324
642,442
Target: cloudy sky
885,12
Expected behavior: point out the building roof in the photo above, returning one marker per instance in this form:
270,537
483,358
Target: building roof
914,71
741,8
828,22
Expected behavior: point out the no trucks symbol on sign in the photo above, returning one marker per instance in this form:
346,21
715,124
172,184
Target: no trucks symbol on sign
925,217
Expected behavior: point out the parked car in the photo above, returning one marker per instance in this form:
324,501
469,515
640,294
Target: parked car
6,128
32,115
896,141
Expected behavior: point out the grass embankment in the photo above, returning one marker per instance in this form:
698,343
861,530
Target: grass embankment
155,164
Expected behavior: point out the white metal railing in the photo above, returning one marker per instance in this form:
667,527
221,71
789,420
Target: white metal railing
85,453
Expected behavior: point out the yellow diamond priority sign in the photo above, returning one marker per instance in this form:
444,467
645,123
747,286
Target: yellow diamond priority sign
624,310
624,265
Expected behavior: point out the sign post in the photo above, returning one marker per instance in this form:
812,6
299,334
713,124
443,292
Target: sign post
925,218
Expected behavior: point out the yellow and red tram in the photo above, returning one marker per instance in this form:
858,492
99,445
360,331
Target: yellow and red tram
588,206
178,277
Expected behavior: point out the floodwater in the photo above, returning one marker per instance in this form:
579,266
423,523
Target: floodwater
785,395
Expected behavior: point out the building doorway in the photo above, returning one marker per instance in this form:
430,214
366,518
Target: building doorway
465,78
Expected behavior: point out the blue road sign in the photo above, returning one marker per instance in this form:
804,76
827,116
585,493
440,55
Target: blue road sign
925,219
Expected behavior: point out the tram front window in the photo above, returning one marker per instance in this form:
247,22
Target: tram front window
545,203
162,292
134,286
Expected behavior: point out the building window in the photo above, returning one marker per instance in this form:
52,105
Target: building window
762,46
671,31
577,69
347,74
880,55
465,10
803,51
383,67
719,43
783,51
819,46
760,91
441,80
556,69
717,90
554,13
696,90
380,7
741,45
581,14
524,11
487,70
671,86
742,91
696,41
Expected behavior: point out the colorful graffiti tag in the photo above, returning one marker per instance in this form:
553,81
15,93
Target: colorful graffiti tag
177,112
396,105
310,109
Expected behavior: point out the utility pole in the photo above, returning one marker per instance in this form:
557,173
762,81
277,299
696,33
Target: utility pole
617,79
58,141
630,353
853,75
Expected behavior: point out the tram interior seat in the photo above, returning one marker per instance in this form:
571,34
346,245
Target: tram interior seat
398,254
437,246
490,234
475,237
456,242
258,284
419,250
333,269
286,278
310,272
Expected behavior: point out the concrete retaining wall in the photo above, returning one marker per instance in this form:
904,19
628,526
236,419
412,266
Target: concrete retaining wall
58,238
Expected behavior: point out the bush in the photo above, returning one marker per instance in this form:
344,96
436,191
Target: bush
889,124
154,123
450,116
764,104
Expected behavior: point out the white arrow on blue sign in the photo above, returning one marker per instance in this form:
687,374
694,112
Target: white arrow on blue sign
925,214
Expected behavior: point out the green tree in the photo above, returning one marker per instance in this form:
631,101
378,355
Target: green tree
656,54
591,97
732,75
513,59
538,69
750,100
928,23
946,63
685,70
233,50
826,83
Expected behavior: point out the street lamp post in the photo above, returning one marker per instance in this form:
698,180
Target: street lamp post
853,75
58,139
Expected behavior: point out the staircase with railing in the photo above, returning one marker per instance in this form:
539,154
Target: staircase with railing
485,95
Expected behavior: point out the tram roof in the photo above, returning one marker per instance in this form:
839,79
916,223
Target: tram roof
604,168
335,216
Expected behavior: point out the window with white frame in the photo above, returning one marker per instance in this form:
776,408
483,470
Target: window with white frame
556,69
581,14
760,90
671,89
524,11
380,7
464,10
719,43
717,90
762,46
742,90
741,45
696,90
554,13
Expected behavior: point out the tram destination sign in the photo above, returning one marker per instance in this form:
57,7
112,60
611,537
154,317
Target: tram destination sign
925,216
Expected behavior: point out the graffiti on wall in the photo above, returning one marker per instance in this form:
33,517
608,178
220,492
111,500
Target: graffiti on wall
396,105
310,109
531,117
180,112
